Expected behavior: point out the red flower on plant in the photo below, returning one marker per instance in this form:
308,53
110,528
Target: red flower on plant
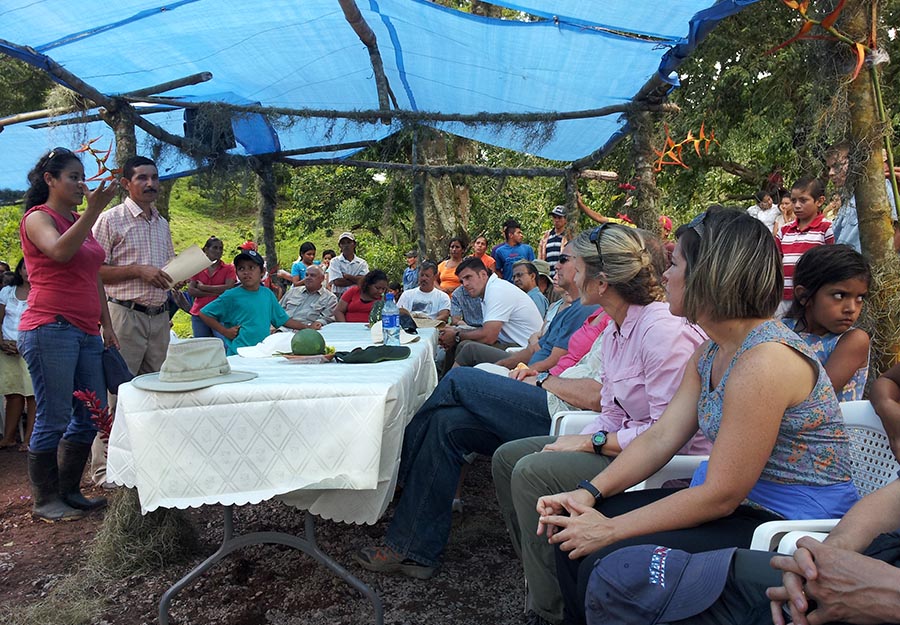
627,187
99,413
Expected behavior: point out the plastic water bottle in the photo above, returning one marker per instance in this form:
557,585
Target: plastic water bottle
390,321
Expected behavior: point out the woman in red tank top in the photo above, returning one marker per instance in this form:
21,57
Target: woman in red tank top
59,334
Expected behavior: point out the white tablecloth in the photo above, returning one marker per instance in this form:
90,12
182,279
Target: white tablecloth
325,437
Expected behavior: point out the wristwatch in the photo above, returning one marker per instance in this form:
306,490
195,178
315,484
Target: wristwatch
541,378
593,490
598,440
457,338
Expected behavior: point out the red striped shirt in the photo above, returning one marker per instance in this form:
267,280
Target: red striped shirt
792,241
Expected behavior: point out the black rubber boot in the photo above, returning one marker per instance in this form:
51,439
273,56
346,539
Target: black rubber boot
72,458
44,476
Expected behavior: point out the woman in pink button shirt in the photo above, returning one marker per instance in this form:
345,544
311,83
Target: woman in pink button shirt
645,350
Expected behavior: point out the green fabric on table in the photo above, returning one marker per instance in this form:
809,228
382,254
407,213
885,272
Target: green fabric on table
373,353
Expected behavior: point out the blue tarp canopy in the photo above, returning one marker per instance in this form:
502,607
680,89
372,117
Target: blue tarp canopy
303,54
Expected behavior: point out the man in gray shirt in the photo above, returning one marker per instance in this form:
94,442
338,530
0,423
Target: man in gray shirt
311,303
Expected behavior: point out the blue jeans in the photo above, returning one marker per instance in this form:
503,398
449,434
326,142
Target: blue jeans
62,359
201,330
469,411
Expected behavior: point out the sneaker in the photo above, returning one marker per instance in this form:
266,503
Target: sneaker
386,560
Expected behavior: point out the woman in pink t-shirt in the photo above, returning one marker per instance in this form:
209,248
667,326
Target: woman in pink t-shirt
209,284
59,333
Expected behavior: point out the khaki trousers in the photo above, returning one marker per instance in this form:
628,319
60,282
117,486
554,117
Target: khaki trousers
521,477
143,342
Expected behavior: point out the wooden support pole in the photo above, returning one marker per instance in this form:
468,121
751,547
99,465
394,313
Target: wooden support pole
193,79
428,116
437,170
367,36
266,196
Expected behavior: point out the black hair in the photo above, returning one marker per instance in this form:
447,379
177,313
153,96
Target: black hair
133,163
326,252
17,279
5,264
509,226
820,266
462,243
759,195
812,185
306,247
212,240
427,265
471,262
376,275
395,286
53,163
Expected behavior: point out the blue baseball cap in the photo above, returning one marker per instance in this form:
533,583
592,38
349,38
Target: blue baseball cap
650,584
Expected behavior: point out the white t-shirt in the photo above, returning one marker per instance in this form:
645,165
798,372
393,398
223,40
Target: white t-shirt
339,266
431,303
504,301
768,217
14,309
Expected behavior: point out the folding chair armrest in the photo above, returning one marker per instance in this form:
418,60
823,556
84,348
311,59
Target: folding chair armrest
768,535
679,467
570,421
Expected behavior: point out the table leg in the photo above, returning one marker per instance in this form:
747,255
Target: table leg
306,544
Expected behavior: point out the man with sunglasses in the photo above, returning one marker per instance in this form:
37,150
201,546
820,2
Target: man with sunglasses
138,243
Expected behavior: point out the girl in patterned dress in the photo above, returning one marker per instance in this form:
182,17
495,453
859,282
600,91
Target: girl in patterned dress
830,284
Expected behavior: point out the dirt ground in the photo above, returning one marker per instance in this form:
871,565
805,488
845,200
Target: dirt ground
480,582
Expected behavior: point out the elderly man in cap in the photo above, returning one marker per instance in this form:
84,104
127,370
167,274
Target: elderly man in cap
554,239
346,269
311,303
525,276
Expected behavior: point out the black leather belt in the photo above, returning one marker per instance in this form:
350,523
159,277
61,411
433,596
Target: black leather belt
147,310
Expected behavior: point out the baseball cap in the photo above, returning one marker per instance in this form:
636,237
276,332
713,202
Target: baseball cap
252,255
346,235
558,211
248,245
411,254
665,222
542,266
653,584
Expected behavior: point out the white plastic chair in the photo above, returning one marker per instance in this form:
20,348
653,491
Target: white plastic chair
873,466
679,467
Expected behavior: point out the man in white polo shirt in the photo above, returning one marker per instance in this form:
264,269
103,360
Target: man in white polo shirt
346,269
510,317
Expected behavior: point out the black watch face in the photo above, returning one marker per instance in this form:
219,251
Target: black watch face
599,439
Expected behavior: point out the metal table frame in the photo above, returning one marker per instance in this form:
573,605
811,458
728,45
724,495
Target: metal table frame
306,544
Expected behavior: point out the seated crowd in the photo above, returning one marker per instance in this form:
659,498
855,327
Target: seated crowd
737,344
672,359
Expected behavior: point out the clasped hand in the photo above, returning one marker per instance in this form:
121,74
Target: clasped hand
846,586
583,531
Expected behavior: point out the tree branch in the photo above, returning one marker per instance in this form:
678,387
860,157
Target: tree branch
428,116
365,34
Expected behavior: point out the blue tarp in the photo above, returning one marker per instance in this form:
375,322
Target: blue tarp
304,55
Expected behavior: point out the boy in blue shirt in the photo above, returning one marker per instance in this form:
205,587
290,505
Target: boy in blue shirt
244,315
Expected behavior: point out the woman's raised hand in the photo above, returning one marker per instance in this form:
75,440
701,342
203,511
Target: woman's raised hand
99,198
